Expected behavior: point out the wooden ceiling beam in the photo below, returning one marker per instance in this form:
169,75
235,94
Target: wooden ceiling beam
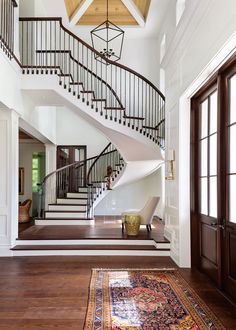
79,12
134,11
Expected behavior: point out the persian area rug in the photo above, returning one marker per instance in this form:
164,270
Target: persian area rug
145,299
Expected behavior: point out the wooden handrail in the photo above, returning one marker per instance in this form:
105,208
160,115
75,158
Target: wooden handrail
79,163
92,73
96,159
59,19
14,3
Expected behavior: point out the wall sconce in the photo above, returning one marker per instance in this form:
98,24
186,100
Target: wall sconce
170,165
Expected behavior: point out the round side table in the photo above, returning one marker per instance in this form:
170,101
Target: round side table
132,224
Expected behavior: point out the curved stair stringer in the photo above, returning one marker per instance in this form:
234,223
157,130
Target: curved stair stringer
133,146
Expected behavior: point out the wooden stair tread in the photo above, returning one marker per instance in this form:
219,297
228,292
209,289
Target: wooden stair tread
63,211
64,219
67,205
76,83
53,51
88,247
98,100
133,117
82,198
113,108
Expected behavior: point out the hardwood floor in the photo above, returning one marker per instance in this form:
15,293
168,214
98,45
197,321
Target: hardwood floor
104,228
51,292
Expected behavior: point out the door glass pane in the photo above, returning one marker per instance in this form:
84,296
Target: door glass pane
213,197
204,119
232,194
233,99
204,157
232,149
204,196
213,113
77,155
213,154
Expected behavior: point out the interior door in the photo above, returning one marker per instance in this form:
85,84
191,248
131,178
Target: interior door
74,176
229,236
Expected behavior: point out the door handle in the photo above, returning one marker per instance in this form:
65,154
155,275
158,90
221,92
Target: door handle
214,224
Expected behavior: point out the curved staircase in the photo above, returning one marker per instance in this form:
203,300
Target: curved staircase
121,103
65,204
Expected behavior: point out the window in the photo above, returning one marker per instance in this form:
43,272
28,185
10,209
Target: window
162,47
35,172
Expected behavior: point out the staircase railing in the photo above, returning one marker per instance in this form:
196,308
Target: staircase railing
105,168
118,93
7,23
70,178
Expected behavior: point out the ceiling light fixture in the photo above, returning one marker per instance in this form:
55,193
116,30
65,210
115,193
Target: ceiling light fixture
107,39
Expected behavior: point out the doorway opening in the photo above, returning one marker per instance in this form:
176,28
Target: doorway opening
31,174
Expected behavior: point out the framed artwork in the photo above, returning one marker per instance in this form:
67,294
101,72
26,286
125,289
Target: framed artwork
21,180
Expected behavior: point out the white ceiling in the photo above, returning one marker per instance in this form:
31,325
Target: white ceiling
56,8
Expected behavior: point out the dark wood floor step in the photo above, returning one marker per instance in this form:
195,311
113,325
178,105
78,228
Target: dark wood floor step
86,247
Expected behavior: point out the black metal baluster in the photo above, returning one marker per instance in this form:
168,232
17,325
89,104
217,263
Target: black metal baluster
36,45
32,47
41,46
64,61
78,78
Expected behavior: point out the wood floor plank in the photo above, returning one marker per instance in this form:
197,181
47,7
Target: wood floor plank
52,292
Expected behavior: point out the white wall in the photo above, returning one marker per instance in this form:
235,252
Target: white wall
204,28
132,196
8,179
73,130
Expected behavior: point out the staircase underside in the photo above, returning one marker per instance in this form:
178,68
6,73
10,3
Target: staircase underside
137,150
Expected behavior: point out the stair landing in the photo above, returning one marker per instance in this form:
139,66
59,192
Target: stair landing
104,238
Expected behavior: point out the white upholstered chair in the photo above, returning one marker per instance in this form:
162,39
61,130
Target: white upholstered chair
146,213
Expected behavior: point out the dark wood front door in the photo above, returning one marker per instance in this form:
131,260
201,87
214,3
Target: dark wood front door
213,188
229,179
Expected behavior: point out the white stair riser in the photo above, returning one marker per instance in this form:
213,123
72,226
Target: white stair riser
65,215
68,208
71,201
77,195
112,253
